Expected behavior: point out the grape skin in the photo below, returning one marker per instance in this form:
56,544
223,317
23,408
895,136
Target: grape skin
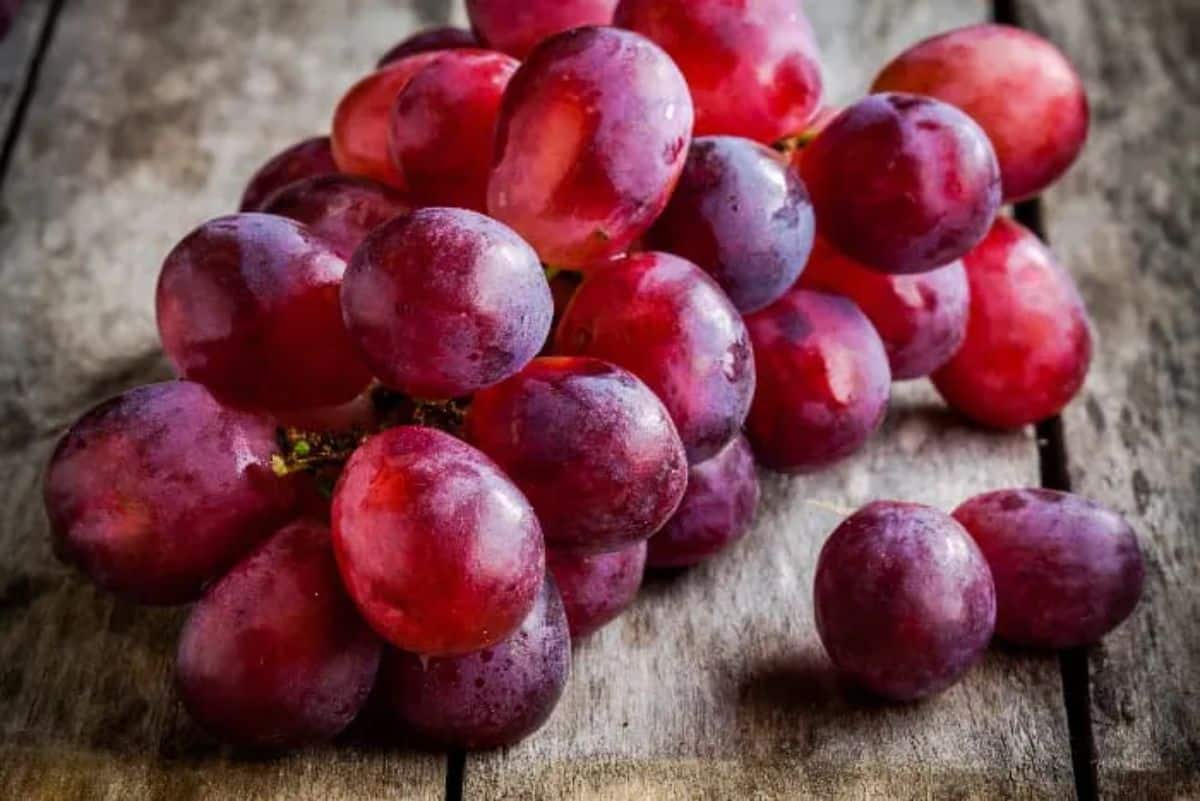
306,159
517,26
275,655
447,38
596,588
667,322
1067,569
341,209
743,216
904,600
440,551
589,444
444,302
158,490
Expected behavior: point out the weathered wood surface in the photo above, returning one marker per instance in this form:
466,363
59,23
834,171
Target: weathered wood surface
17,53
715,685
1125,222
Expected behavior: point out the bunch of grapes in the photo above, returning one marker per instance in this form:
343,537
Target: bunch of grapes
456,375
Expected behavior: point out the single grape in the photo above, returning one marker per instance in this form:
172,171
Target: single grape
490,698
248,306
904,600
752,65
720,504
743,216
1067,569
447,38
275,655
902,184
591,446
441,553
596,588
517,26
1019,87
922,318
360,412
362,120
1028,343
306,159
593,134
667,322
341,209
444,302
823,381
443,127
159,490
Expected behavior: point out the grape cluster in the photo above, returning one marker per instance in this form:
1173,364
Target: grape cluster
457,374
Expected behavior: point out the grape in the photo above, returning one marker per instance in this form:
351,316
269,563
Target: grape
442,554
443,127
721,500
904,600
1019,87
902,183
360,412
489,698
741,215
922,318
1067,569
596,588
341,209
446,301
664,320
275,655
447,38
362,120
592,136
157,491
751,64
590,445
517,26
307,159
248,306
1028,343
823,381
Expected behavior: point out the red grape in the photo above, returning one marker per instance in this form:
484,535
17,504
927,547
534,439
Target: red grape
447,38
442,554
341,209
307,159
751,64
1067,569
446,301
590,445
275,654
721,500
443,127
664,320
363,116
489,698
593,134
743,216
596,588
904,600
902,183
517,26
248,306
823,381
921,318
1019,87
1028,343
157,491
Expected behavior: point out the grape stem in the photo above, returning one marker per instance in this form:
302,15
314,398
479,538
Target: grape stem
790,144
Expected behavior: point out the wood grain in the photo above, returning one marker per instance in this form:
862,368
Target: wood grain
1124,221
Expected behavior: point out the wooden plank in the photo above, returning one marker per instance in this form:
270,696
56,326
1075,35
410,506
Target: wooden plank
715,685
17,54
1123,222
148,117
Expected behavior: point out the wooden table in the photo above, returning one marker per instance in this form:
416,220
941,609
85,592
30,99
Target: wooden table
127,122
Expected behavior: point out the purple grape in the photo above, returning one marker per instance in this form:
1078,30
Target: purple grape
306,159
448,38
341,209
596,588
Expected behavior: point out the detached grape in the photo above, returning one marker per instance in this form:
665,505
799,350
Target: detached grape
1067,569
448,38
275,654
598,587
340,209
517,26
307,159
904,600
159,490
